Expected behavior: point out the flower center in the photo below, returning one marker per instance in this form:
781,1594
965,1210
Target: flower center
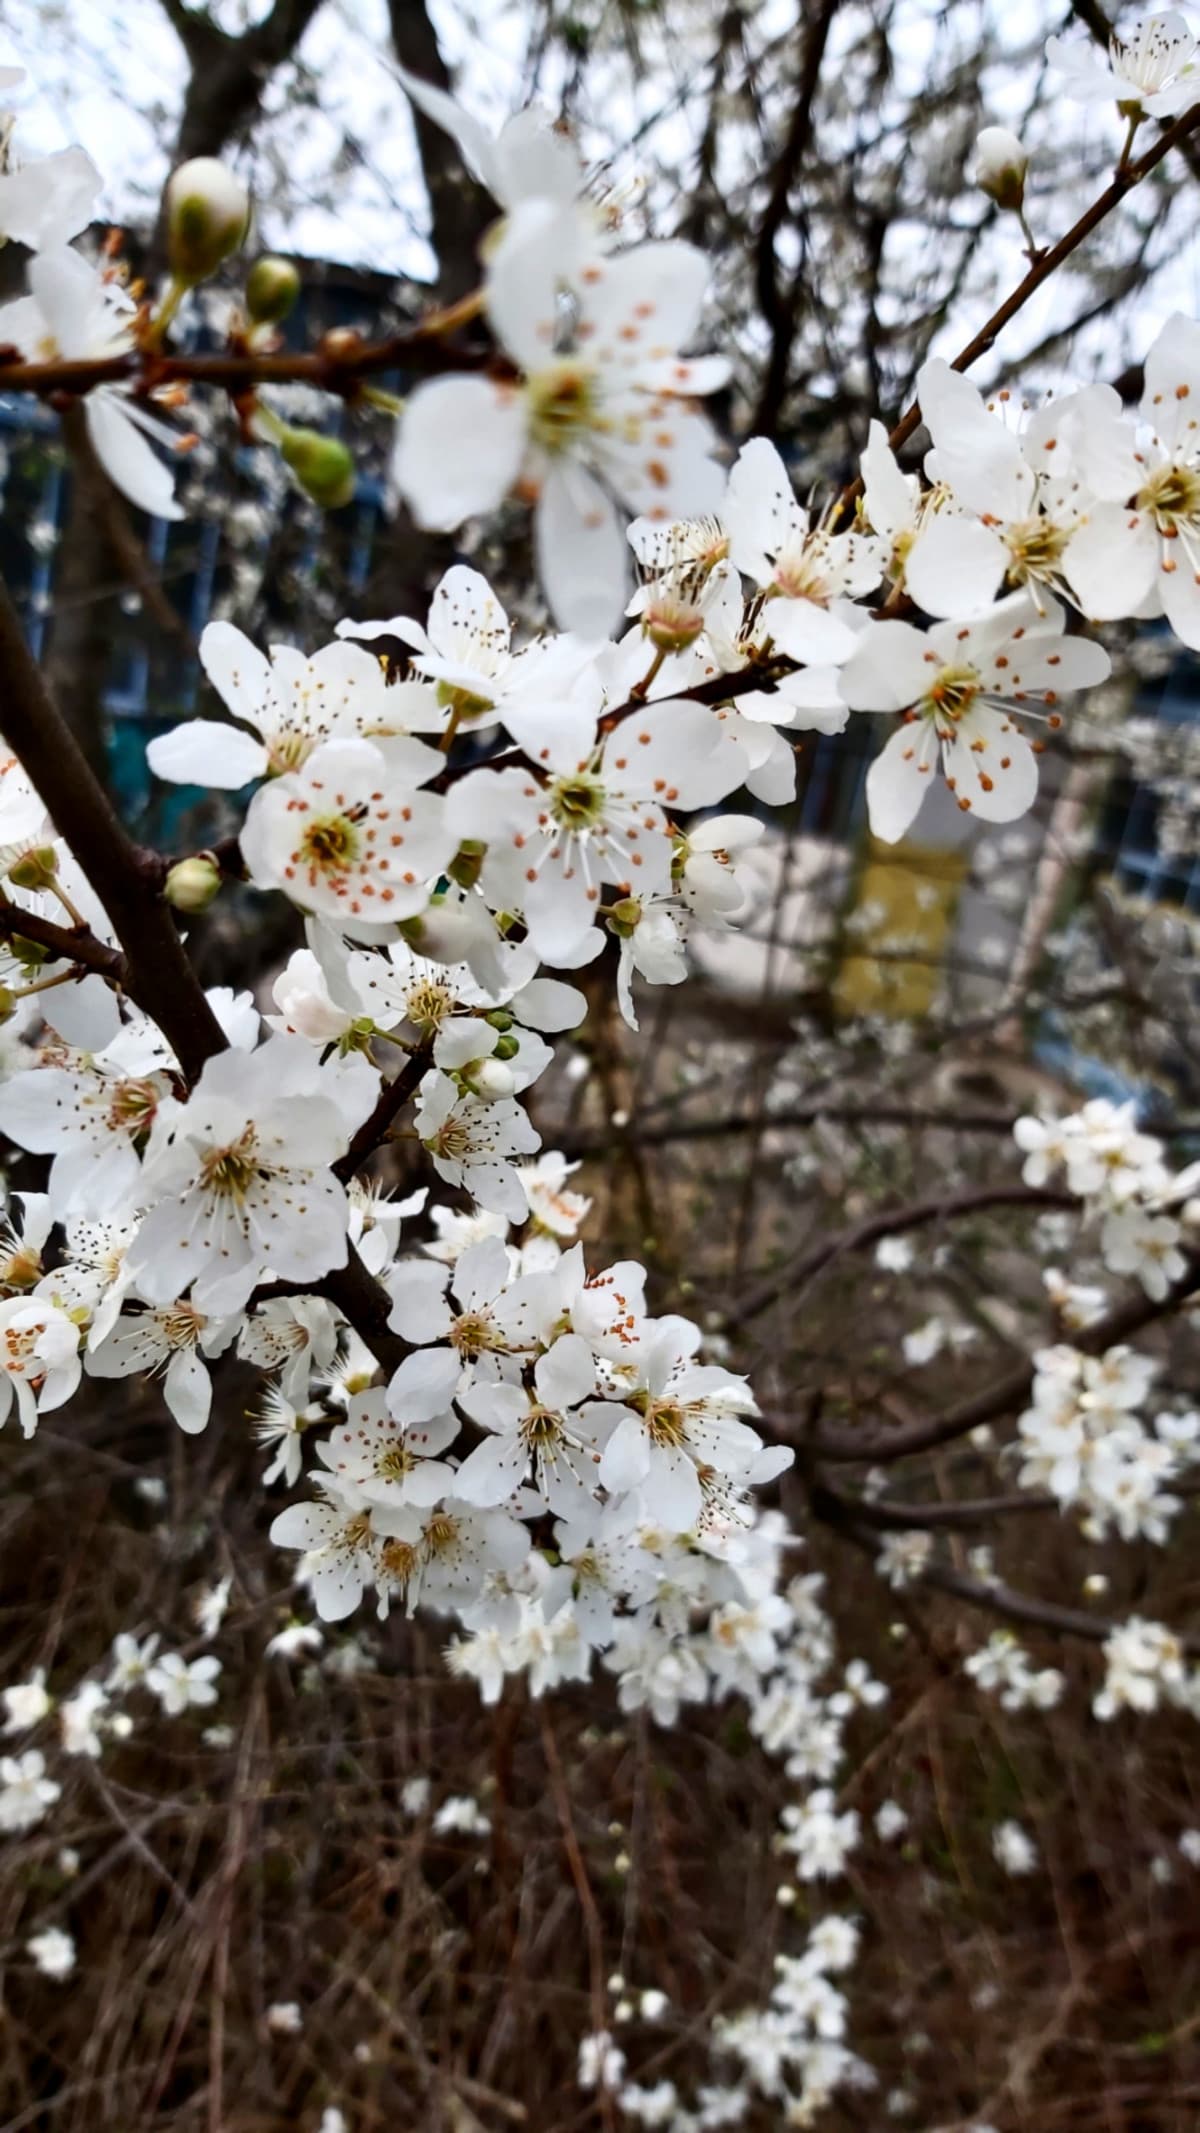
562,403
577,803
441,1534
1036,548
132,1107
453,1140
1172,496
19,1346
952,694
666,1423
462,702
395,1463
541,1426
329,845
429,1003
799,575
672,620
22,1269
474,1333
399,1559
289,750
182,1325
229,1172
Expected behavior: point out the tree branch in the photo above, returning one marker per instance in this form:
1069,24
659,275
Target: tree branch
1046,264
74,944
891,1223
158,974
1008,1392
988,1594
780,311
339,368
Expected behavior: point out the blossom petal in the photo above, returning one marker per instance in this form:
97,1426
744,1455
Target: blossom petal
187,1390
424,1385
954,566
459,446
899,779
582,557
1110,561
566,1374
130,463
205,751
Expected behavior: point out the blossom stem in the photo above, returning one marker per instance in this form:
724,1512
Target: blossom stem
76,916
639,693
26,992
176,291
378,396
1135,120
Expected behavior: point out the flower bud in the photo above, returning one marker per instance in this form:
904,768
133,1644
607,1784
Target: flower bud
192,883
8,1005
34,870
272,286
208,215
322,466
492,1080
1000,167
499,1018
507,1046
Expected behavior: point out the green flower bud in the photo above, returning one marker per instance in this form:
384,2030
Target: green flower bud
322,466
499,1018
506,1048
192,883
272,286
208,215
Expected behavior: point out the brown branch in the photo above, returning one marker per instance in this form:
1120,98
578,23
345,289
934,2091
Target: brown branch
781,310
661,1133
74,944
1008,1392
374,1130
999,1599
891,1516
988,1594
158,974
1046,264
944,1207
337,367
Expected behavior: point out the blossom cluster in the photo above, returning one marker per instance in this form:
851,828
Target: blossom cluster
1148,1217
1002,1669
1146,1667
1083,1440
